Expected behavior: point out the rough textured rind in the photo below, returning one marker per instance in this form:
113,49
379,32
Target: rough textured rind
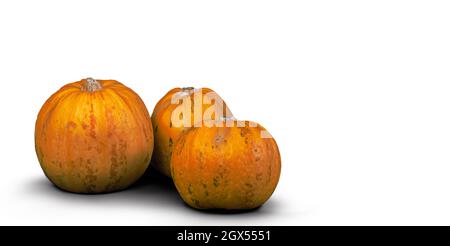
225,167
94,142
166,134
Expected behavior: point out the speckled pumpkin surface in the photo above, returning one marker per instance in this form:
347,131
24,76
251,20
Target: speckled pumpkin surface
167,133
94,136
226,167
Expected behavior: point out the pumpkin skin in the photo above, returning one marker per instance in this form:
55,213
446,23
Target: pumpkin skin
231,168
94,136
166,133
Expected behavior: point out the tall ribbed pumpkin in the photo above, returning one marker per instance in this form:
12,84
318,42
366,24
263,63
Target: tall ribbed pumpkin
202,100
94,136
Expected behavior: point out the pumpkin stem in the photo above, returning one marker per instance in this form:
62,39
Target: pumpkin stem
225,118
91,85
187,88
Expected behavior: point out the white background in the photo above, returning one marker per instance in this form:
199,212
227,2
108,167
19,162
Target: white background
357,94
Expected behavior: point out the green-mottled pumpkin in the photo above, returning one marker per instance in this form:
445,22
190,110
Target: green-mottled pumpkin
234,166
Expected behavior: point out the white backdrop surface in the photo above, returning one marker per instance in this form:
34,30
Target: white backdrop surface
356,93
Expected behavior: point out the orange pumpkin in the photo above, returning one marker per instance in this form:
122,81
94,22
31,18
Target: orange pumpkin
235,167
94,136
201,104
